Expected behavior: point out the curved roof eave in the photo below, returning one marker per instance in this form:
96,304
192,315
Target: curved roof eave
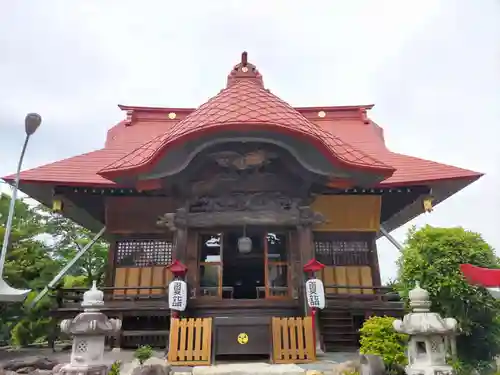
146,155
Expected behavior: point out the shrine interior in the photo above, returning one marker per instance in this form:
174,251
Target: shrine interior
243,273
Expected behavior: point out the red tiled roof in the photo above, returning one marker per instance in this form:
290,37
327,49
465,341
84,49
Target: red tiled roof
246,105
345,134
83,169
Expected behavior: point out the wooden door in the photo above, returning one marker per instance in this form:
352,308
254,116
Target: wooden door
276,263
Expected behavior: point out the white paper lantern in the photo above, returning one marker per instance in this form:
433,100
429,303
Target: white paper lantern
177,295
244,245
315,293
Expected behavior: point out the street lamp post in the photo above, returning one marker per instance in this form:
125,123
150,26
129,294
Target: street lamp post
8,293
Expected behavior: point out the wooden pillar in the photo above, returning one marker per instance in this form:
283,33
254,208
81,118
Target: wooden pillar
306,248
180,241
110,267
192,262
296,266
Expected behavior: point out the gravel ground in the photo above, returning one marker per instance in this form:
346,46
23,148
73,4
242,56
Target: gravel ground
324,362
63,357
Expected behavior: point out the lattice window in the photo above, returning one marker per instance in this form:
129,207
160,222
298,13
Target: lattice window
342,253
143,253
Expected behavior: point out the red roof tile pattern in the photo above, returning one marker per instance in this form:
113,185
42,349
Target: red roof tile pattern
246,105
346,135
83,170
409,169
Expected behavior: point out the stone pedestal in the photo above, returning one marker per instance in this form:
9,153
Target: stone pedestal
431,336
89,330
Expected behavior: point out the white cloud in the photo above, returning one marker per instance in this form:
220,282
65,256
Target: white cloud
430,66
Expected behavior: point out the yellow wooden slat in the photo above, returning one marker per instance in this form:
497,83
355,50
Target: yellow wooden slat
182,340
366,278
133,280
341,278
309,336
145,279
328,278
173,342
276,329
158,278
207,340
198,343
294,350
300,340
347,213
190,339
120,280
353,279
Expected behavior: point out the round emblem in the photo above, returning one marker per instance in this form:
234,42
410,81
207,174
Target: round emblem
242,338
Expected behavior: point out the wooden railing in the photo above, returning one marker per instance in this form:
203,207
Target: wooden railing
190,342
356,292
75,295
293,340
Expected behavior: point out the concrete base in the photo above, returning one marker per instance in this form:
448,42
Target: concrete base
325,364
248,369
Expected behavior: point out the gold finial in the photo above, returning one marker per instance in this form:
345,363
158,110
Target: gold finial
244,58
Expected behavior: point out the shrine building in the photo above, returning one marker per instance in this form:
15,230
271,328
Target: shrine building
244,191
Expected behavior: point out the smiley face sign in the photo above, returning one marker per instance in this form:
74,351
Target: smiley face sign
242,338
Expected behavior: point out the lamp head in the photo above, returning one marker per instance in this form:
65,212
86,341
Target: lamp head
32,122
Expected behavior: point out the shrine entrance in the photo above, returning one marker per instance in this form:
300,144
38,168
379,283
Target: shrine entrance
258,270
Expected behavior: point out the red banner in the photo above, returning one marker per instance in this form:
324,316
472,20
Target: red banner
487,277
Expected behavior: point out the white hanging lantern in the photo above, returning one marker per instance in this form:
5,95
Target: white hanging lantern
244,243
315,293
177,295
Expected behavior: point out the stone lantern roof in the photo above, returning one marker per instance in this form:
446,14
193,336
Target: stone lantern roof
91,321
422,321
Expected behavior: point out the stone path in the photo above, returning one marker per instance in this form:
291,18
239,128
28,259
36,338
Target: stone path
324,364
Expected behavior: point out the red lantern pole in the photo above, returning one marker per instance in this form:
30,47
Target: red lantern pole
310,269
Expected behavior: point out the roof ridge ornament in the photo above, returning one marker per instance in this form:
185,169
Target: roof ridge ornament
244,71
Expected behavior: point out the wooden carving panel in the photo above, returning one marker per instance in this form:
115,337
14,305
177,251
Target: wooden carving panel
348,213
131,215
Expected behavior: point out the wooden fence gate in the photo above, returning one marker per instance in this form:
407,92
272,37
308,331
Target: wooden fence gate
190,342
293,340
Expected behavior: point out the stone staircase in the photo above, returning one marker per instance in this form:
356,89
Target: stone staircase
338,330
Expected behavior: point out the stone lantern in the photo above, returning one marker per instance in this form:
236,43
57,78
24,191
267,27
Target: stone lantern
89,330
431,336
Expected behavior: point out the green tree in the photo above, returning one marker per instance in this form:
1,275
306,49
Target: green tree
41,243
433,256
68,238
29,264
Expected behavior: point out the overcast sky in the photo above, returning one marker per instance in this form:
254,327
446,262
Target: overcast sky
432,68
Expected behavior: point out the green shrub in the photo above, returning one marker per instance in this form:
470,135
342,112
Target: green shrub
115,368
28,331
433,257
143,353
378,337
